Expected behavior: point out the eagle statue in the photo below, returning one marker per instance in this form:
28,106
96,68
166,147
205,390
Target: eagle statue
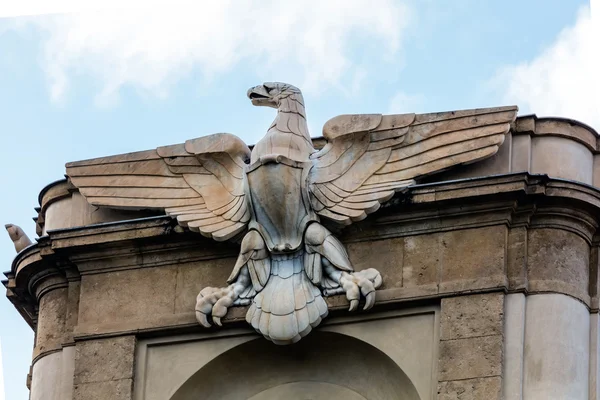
274,198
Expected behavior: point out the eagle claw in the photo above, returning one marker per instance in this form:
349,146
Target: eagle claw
215,302
365,282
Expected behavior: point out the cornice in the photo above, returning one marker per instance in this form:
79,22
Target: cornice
560,127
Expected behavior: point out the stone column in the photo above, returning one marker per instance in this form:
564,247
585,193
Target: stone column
557,348
471,342
594,316
556,355
52,370
594,357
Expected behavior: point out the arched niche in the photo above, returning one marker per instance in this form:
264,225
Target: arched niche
323,365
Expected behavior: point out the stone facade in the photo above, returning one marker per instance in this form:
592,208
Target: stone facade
490,291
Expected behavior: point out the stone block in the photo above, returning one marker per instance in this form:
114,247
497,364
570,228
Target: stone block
383,255
470,358
558,261
104,360
422,260
471,389
114,390
72,308
138,294
516,265
473,258
470,316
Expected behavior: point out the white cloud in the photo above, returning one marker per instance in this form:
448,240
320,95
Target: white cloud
150,49
564,80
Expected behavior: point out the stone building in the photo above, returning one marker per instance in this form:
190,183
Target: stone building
490,291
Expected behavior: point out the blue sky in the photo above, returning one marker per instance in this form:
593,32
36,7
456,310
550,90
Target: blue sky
85,85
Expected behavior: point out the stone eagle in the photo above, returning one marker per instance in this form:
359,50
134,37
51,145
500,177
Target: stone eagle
276,195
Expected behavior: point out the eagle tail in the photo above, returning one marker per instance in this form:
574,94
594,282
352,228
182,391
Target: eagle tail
290,305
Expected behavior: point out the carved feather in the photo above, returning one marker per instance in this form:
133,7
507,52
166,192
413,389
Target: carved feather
369,157
200,182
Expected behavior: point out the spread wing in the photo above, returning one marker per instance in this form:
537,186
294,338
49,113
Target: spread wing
201,182
369,157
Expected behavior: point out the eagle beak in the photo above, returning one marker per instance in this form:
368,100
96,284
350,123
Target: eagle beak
259,91
260,96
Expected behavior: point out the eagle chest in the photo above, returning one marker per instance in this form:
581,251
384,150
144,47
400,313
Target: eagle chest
279,204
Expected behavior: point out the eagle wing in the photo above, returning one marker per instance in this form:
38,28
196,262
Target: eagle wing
201,182
369,157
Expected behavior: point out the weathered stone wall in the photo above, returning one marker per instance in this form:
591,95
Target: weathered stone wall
506,265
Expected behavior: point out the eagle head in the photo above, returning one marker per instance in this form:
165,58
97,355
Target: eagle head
271,93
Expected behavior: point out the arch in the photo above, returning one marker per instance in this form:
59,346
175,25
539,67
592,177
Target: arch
308,390
323,365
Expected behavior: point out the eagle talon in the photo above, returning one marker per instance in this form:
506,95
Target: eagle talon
202,320
361,282
215,302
